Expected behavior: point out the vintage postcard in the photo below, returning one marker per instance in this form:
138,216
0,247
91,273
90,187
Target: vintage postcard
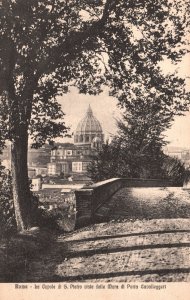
94,149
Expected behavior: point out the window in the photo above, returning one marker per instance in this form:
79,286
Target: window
77,166
69,152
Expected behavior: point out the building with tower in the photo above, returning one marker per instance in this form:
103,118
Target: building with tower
70,159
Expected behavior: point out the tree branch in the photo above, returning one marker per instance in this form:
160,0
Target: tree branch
76,39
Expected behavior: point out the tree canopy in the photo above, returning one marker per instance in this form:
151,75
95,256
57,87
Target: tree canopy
47,45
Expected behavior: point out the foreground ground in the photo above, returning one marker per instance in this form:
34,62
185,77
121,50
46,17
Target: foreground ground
147,238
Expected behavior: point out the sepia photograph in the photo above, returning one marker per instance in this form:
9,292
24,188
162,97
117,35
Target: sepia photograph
94,144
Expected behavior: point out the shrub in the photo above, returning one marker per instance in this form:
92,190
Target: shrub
174,170
7,212
47,219
7,216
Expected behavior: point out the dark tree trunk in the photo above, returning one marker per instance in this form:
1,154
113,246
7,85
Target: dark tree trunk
20,182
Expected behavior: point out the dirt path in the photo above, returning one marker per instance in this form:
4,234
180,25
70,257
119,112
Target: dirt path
154,250
146,239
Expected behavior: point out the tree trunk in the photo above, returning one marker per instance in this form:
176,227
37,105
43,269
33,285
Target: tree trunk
20,182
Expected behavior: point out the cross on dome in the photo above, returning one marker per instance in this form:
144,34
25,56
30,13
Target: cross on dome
89,111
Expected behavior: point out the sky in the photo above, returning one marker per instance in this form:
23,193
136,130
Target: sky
103,106
106,111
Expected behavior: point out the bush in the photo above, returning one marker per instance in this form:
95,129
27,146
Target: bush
7,212
187,176
7,215
47,219
174,170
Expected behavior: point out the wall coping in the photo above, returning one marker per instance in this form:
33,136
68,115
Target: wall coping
84,191
101,183
90,198
107,181
144,179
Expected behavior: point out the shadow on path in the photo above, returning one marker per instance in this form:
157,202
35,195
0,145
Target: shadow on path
87,253
160,272
117,236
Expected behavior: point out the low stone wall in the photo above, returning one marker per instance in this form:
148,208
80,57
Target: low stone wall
186,185
136,182
90,198
84,204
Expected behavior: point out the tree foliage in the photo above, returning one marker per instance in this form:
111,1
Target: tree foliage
105,163
47,45
137,149
150,34
114,161
175,170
